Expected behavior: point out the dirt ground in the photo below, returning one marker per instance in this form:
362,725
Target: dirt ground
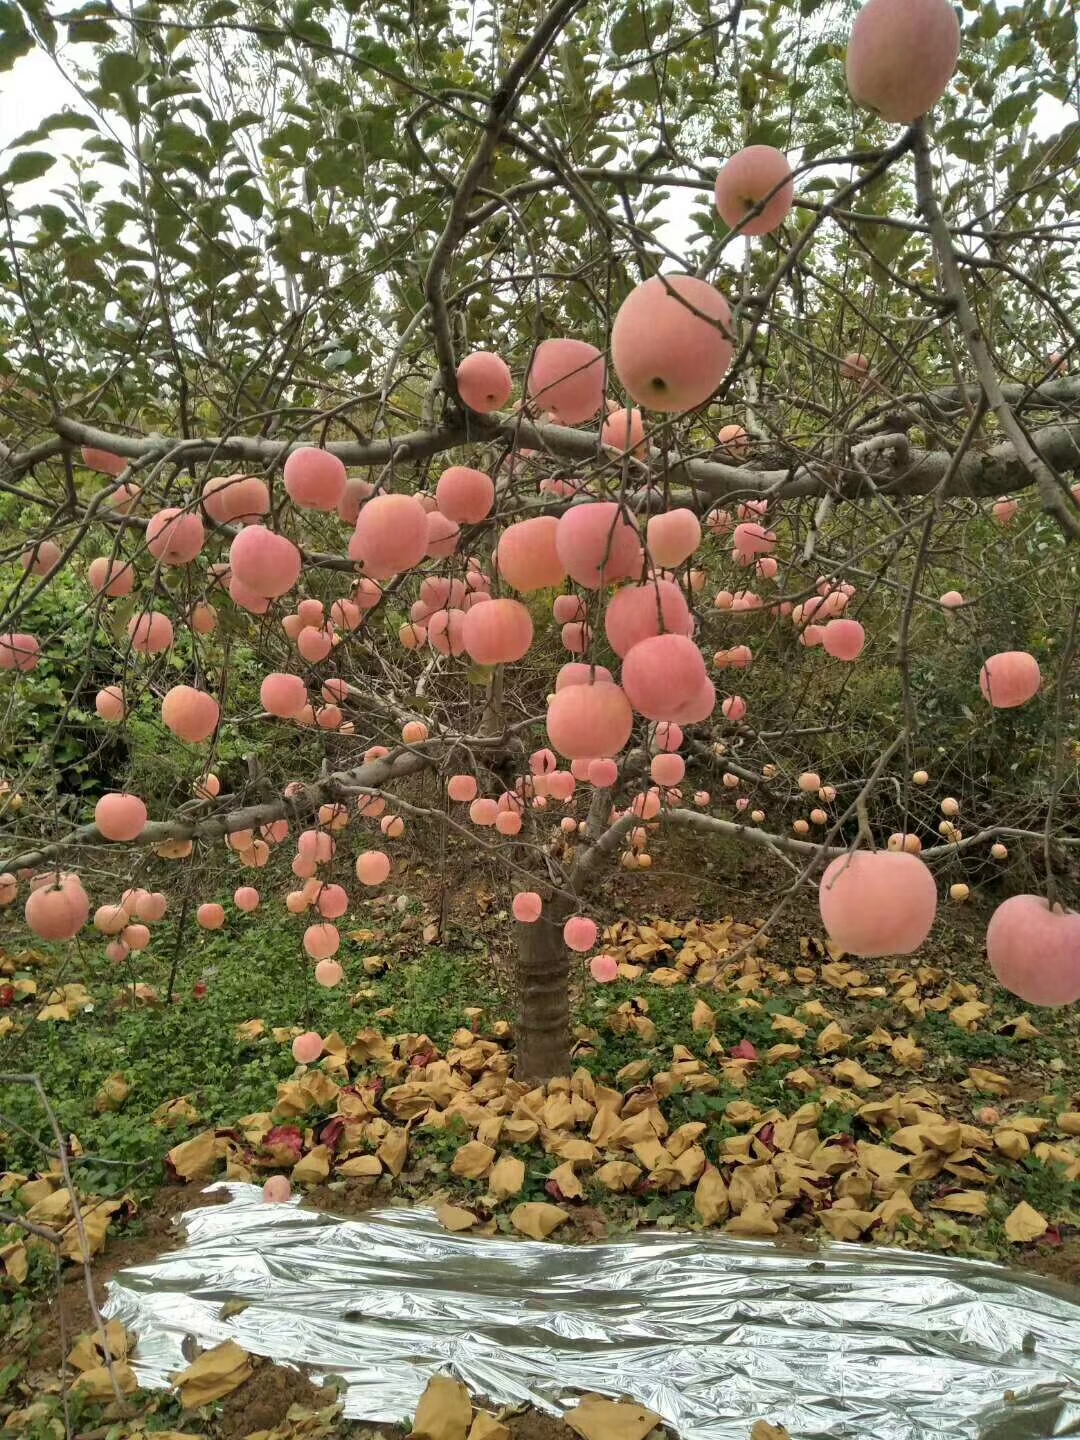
263,1401
66,1314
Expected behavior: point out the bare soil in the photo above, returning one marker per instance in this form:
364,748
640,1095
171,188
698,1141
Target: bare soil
66,1314
263,1401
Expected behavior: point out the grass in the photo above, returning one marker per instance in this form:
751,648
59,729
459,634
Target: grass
190,1048
257,970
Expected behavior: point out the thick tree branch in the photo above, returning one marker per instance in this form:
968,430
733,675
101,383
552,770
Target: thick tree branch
981,475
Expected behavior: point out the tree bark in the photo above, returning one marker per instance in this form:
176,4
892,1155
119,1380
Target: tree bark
543,991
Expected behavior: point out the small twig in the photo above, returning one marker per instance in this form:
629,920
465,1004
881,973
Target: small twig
84,1244
52,1236
1059,756
1051,489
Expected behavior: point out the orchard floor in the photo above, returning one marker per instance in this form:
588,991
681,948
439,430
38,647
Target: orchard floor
895,1068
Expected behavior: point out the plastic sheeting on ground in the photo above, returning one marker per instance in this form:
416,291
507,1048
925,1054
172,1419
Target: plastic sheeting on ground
709,1332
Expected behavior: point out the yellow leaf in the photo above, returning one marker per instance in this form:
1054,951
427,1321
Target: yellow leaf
97,1383
394,1150
537,1219
907,1054
95,1227
831,1039
753,1222
618,1175
195,1159
114,1091
473,1161
964,1202
14,1262
507,1177
703,1017
711,1197
854,1074
486,1427
175,1112
989,1081
1024,1224
444,1411
569,1185
314,1167
454,1218
1012,1143
213,1376
250,1030
599,1419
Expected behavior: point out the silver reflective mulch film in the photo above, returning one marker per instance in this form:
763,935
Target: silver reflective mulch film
711,1333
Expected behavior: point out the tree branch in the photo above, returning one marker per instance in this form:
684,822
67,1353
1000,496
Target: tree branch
981,475
1052,492
298,807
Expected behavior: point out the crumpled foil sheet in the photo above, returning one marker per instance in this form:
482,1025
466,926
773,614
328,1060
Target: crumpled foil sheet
711,1333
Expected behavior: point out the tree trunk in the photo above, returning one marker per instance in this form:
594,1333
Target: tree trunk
543,990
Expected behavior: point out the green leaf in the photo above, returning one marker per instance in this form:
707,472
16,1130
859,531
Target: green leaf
110,150
42,22
90,31
50,217
28,165
1010,110
15,38
629,33
640,87
62,120
249,200
119,71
